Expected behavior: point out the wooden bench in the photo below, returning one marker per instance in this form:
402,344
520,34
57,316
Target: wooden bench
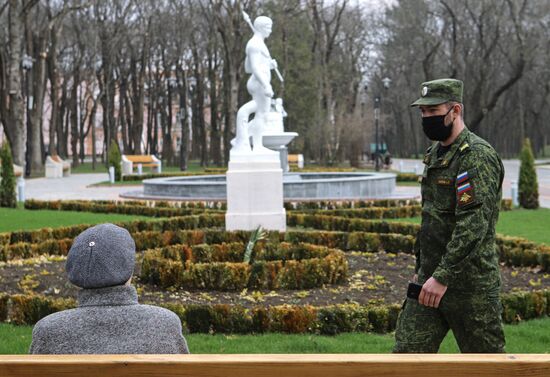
296,160
276,365
131,161
56,167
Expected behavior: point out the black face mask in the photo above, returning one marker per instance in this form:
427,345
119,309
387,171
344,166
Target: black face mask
435,129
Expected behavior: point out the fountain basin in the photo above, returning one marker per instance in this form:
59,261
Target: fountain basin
302,186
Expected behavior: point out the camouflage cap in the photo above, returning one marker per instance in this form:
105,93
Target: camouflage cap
439,91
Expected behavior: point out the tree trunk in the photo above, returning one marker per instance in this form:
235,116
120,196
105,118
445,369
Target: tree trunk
15,127
74,117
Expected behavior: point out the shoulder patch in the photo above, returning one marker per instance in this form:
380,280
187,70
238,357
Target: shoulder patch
464,146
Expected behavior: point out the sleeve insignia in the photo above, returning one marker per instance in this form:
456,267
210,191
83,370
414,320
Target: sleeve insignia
462,177
465,194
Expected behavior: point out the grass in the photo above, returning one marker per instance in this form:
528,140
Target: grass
21,219
527,337
408,184
526,223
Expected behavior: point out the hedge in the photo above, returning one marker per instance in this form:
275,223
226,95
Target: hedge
348,204
140,210
174,223
21,250
513,251
372,213
328,320
321,222
220,267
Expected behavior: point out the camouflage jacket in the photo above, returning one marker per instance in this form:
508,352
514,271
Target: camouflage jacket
461,193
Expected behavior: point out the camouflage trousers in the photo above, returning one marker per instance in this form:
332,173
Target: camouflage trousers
476,322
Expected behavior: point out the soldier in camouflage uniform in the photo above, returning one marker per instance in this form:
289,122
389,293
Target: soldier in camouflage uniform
456,254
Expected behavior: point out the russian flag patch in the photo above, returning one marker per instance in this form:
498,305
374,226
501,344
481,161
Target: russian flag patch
465,187
463,177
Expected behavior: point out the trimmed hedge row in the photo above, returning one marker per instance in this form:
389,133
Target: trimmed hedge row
356,241
348,204
174,223
518,252
321,222
220,267
21,250
373,213
140,210
512,250
152,208
329,320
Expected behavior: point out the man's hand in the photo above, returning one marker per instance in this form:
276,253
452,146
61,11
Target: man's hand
273,64
432,293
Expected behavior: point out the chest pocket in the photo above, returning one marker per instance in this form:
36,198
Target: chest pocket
444,189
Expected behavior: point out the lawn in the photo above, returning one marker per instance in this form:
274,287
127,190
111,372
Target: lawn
21,219
527,337
530,224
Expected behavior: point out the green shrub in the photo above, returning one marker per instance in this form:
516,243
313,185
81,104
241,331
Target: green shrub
7,185
4,299
217,267
29,309
115,159
328,320
336,319
528,185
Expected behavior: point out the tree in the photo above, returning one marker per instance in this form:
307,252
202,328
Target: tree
7,186
528,185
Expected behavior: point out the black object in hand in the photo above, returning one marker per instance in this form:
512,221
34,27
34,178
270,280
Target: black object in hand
414,290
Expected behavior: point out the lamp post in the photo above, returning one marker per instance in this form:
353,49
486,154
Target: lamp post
386,82
376,121
26,64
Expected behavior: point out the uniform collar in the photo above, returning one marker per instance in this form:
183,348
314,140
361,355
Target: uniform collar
110,296
434,162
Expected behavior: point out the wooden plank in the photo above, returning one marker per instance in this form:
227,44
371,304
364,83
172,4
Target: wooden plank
291,365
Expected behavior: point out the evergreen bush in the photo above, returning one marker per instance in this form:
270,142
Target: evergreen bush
115,159
7,186
528,185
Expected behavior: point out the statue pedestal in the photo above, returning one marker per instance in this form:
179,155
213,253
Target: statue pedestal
255,192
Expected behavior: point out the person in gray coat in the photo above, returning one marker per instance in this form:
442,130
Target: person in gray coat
108,319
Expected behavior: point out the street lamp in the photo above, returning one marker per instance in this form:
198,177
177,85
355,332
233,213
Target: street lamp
376,120
26,64
386,82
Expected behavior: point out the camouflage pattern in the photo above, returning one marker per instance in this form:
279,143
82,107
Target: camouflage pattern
436,92
475,321
461,193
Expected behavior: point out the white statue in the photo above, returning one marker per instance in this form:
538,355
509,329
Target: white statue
259,64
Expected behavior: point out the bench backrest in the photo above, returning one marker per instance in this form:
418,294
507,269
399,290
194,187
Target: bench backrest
276,365
138,159
293,158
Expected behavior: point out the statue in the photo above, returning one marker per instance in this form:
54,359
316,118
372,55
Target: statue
259,64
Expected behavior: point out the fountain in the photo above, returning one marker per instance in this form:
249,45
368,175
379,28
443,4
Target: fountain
255,185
